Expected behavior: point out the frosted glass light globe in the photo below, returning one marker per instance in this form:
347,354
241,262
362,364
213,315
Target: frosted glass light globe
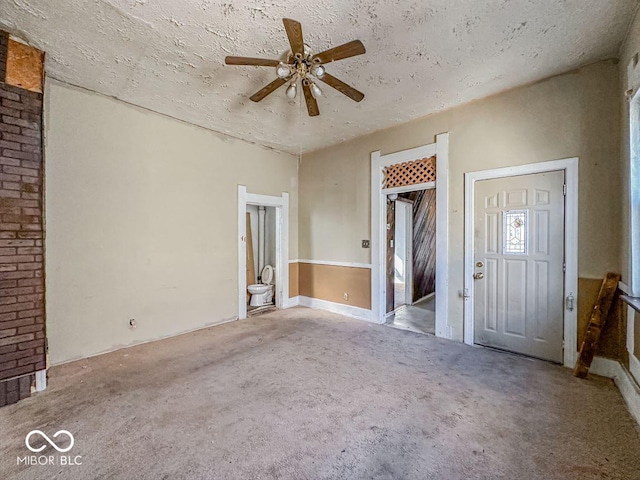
283,71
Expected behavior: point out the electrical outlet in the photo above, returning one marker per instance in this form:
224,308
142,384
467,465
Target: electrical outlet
346,296
365,243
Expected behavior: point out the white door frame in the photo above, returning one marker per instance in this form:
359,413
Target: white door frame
281,205
408,261
408,249
570,167
379,220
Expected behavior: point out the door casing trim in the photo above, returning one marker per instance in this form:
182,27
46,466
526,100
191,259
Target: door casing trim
281,205
378,231
570,168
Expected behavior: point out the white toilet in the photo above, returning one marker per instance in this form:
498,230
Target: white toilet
262,293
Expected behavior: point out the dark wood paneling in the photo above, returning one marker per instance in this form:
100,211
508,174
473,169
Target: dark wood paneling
391,228
424,241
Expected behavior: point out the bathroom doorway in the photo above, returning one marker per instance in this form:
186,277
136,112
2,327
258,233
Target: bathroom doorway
263,240
411,260
261,259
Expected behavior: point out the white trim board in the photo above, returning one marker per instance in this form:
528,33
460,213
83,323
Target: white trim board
143,342
634,187
570,167
281,205
41,380
628,387
378,231
346,310
333,264
292,302
417,186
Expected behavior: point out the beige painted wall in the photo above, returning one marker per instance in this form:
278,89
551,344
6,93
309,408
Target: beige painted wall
576,114
141,215
331,282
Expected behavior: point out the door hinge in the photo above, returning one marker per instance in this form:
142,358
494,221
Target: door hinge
564,267
564,189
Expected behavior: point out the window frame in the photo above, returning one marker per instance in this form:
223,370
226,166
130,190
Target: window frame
634,193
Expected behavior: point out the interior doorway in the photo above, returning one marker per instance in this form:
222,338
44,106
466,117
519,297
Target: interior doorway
411,265
381,166
271,217
261,259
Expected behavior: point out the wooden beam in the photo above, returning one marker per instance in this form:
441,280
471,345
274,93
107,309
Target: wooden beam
596,322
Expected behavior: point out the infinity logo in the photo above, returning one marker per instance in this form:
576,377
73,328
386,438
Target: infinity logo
43,435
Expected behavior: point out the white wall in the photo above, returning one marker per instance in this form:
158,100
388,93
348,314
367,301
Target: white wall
141,221
270,237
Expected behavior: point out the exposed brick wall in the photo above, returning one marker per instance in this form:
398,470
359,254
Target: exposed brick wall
16,389
4,42
22,331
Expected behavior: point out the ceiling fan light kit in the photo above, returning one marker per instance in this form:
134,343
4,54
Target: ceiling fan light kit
304,66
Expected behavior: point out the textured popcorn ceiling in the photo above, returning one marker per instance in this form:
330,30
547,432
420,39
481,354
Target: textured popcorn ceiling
422,56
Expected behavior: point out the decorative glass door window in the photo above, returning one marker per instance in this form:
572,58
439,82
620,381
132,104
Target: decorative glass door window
514,232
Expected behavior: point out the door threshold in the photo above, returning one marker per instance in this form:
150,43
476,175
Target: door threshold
399,309
517,354
261,310
407,329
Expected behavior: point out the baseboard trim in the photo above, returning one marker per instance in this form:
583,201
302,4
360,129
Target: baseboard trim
347,310
41,380
332,264
143,342
624,381
292,302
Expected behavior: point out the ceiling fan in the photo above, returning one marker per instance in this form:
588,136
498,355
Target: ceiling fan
304,65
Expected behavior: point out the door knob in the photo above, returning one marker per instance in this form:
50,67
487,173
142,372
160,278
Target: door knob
478,276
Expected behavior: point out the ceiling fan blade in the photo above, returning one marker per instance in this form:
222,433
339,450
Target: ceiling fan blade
347,50
312,105
258,62
342,87
294,32
272,87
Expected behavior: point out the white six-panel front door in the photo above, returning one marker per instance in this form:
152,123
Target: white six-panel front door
519,257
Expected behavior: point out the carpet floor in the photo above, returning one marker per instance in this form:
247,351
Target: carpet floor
305,394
